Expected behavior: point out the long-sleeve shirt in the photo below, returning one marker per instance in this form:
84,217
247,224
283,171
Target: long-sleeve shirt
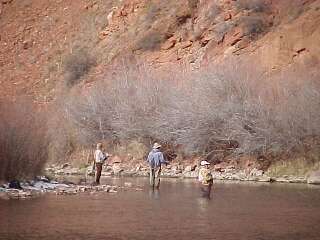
155,158
99,156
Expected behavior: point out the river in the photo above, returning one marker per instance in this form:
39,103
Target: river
240,211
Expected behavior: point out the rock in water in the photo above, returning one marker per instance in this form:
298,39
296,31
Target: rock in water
15,184
128,184
117,169
314,177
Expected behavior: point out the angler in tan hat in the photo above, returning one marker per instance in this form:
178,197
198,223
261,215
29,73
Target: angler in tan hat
155,159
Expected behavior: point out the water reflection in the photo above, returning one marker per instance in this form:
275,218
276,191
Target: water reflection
235,211
203,203
154,193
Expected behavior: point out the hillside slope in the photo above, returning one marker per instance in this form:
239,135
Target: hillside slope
38,38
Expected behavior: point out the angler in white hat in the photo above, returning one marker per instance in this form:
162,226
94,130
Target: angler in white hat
155,160
205,178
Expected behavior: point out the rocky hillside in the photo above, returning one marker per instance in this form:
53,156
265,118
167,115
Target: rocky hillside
43,43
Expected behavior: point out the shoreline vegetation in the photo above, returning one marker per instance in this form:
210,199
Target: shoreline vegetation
248,124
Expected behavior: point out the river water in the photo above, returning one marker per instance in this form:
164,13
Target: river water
235,211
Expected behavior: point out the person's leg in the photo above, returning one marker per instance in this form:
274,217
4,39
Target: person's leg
157,177
209,188
152,177
98,172
203,189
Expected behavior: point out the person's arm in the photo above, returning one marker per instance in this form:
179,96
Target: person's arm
200,177
106,156
162,159
148,160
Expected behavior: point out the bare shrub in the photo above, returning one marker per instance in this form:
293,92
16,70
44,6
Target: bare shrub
253,5
193,4
237,110
76,65
151,41
23,140
222,28
61,133
253,25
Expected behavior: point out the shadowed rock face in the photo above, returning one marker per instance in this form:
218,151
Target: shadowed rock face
40,35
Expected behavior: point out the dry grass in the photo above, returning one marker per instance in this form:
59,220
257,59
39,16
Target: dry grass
296,167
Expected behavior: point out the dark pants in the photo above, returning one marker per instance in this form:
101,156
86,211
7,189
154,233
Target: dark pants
206,189
98,172
155,177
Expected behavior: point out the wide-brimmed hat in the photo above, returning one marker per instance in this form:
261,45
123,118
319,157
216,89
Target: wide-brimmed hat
203,163
156,145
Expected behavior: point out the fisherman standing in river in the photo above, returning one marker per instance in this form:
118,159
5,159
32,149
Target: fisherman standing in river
99,159
205,178
155,159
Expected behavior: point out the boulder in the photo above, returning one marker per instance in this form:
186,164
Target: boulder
255,172
169,44
65,165
116,168
190,168
15,184
128,184
192,174
264,178
42,178
314,177
71,171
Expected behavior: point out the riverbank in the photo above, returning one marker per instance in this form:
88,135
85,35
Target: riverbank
42,185
57,175
178,170
82,180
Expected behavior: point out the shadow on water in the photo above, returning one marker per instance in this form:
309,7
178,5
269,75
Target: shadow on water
154,194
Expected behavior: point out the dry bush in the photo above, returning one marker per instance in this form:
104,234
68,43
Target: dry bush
77,65
61,132
158,22
236,108
252,5
23,140
253,25
193,4
151,41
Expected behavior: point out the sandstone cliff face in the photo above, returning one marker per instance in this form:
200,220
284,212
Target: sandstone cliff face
36,37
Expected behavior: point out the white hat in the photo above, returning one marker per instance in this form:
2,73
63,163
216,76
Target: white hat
156,145
203,163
